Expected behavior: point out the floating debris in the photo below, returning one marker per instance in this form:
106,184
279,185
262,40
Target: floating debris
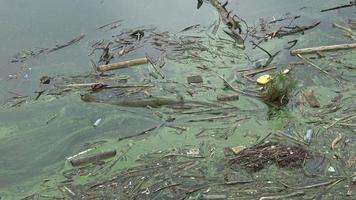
257,157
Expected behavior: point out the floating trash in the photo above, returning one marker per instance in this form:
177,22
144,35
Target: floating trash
264,79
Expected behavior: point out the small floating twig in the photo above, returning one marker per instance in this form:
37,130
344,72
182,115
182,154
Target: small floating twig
322,48
121,65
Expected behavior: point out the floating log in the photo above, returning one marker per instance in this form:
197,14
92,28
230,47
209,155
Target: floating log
120,65
92,158
323,48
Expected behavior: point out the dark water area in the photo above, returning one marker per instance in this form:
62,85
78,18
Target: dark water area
36,136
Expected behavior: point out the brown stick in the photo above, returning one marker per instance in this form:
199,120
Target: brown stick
92,158
322,48
120,65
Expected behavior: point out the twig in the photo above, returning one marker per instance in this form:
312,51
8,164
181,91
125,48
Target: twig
229,20
165,187
316,66
323,191
122,154
297,193
317,185
140,133
154,66
322,48
259,71
348,30
335,141
237,182
111,23
338,7
181,155
271,57
212,118
80,153
52,118
347,118
68,190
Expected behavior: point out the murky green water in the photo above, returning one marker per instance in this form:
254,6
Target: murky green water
32,150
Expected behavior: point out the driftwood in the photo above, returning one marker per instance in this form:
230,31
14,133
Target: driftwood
311,99
120,65
230,20
92,158
322,48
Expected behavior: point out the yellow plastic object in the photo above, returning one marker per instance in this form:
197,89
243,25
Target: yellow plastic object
264,79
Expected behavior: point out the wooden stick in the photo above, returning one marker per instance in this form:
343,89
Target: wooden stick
123,64
92,158
322,48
